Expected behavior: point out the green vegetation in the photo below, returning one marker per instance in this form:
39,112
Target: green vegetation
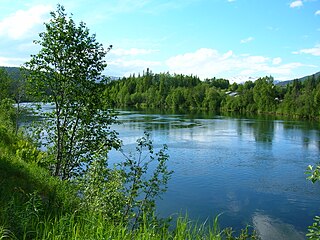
69,191
297,99
12,84
314,176
64,73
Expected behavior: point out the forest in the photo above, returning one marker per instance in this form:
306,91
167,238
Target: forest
298,98
164,90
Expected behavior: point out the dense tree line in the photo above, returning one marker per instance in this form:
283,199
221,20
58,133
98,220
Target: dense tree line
164,90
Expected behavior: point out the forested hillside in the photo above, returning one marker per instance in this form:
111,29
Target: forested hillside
302,79
298,98
164,90
13,72
12,84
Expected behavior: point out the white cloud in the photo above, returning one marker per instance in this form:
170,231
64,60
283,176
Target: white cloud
296,4
132,51
227,55
11,62
317,12
231,0
315,51
208,63
17,25
123,67
123,62
276,61
246,40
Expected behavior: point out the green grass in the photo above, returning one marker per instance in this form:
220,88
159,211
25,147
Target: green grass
96,227
28,193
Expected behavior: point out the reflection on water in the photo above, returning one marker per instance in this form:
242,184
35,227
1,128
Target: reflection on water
235,166
263,131
258,130
269,228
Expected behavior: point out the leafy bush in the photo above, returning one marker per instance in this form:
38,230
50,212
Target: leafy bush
314,230
146,176
314,173
314,176
101,190
128,192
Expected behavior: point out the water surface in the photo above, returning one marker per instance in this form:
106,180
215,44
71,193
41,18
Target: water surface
249,169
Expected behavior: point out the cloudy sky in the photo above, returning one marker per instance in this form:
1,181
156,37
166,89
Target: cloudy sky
208,38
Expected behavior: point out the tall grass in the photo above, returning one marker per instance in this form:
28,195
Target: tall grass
92,226
6,234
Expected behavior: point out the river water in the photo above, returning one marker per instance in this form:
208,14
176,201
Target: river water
250,170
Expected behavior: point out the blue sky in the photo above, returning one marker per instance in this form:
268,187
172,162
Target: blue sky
233,39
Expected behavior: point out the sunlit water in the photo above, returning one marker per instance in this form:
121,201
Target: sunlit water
249,169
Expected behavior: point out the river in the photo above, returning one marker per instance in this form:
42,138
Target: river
251,170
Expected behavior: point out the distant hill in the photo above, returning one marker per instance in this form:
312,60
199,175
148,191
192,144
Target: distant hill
14,72
283,83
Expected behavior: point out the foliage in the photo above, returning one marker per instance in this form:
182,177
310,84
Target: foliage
66,72
314,176
12,90
28,152
12,84
5,83
314,230
264,94
7,114
128,192
142,187
13,73
164,90
101,190
244,234
314,172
